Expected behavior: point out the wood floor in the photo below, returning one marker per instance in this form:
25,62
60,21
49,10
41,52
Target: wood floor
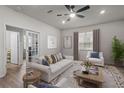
13,78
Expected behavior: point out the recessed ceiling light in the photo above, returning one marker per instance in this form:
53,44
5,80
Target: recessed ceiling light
102,12
72,15
63,22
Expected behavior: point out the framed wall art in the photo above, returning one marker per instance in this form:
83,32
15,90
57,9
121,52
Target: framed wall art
67,42
52,42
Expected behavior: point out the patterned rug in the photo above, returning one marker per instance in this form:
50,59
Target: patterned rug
112,77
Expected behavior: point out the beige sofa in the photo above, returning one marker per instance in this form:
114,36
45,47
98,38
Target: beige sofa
60,84
52,71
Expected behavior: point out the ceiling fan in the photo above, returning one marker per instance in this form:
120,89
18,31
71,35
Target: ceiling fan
74,13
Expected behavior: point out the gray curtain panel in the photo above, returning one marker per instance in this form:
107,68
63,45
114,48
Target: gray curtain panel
96,40
75,49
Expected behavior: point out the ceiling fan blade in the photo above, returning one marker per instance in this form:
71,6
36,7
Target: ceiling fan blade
49,11
81,16
72,6
59,14
83,9
66,14
68,7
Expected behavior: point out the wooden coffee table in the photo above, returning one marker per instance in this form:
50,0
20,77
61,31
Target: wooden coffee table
31,77
96,79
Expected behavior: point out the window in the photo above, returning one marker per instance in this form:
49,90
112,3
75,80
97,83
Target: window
86,41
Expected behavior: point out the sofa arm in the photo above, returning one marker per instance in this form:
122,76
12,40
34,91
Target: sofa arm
31,86
39,67
101,56
88,54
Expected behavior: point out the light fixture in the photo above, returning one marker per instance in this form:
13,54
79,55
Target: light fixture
102,12
72,15
63,22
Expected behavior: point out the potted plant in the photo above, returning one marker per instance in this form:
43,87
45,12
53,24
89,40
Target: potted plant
117,51
87,65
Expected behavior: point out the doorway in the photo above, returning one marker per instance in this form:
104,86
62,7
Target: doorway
14,48
12,44
15,64
22,45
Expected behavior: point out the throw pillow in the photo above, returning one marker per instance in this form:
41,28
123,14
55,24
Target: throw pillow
63,57
53,58
94,55
60,54
49,59
58,57
44,85
45,62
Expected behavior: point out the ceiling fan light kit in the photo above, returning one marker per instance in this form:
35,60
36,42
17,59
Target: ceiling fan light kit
63,22
102,12
72,15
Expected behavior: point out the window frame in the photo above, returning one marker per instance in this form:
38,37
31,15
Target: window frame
85,49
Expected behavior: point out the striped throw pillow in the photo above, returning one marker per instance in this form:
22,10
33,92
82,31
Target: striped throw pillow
53,58
58,56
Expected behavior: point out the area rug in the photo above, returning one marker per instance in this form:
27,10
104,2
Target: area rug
112,77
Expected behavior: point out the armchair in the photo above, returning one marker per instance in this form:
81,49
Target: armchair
97,61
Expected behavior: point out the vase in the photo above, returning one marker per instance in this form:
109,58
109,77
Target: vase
87,69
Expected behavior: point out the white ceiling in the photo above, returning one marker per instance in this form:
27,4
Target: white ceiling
92,16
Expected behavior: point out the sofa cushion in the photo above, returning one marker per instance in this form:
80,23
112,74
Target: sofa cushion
95,60
94,55
59,65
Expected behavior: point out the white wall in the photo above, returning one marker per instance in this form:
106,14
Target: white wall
10,17
8,39
107,31
2,50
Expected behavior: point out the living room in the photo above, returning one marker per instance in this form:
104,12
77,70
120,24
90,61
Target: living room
68,39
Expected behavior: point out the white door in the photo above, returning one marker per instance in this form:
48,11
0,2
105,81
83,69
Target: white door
32,45
14,42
